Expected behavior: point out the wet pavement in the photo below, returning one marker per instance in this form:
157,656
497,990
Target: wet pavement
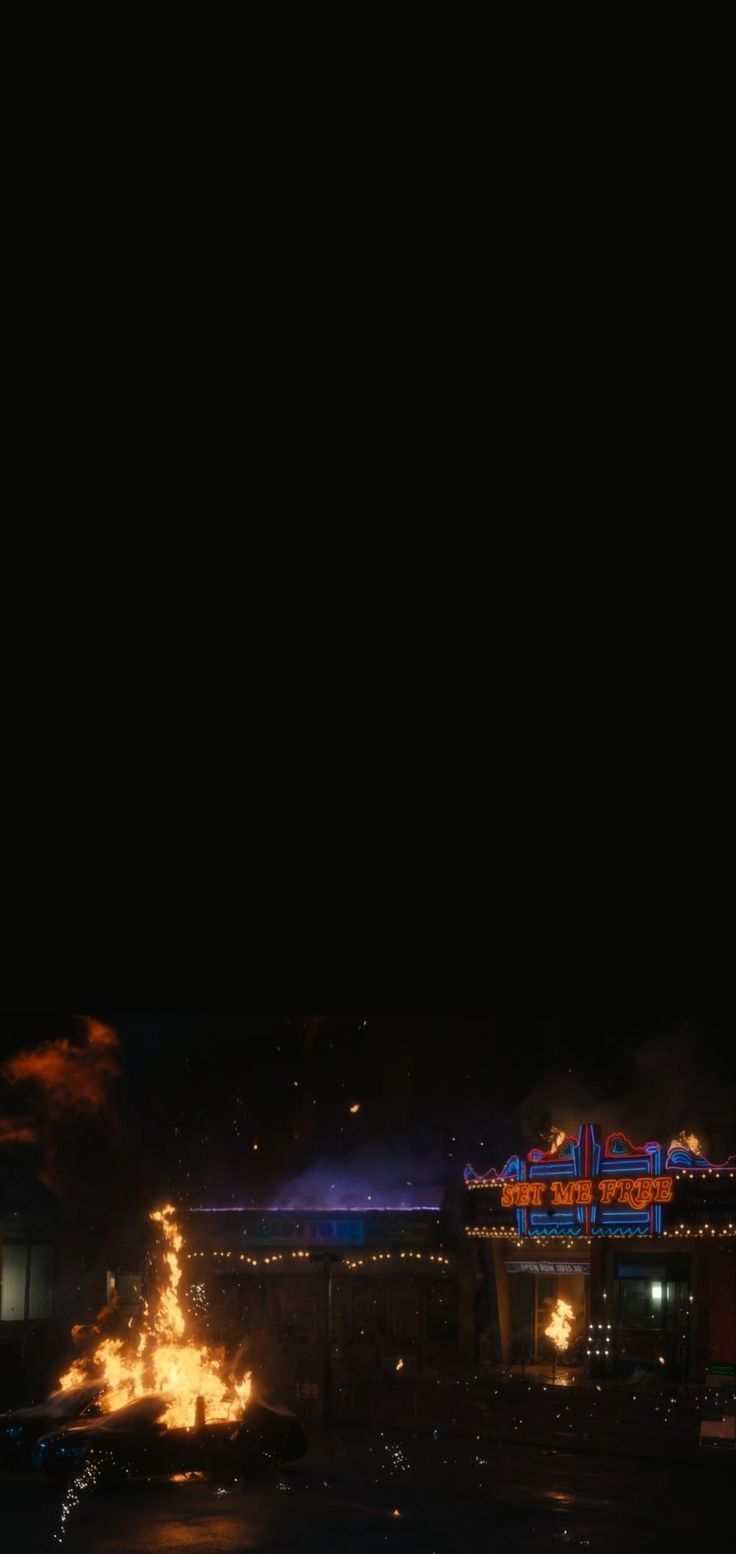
451,1495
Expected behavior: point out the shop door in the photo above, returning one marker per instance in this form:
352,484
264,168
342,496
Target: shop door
572,1288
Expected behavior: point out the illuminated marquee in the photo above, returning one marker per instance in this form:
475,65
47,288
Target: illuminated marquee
637,1192
585,1188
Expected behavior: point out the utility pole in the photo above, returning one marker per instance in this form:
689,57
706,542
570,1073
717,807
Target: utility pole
326,1259
327,1303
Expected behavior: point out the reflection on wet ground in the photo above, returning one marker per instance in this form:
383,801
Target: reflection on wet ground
362,1491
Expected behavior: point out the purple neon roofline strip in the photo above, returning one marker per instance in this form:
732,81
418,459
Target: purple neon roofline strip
331,1208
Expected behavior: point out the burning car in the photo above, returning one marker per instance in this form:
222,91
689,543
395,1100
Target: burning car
168,1402
135,1440
20,1429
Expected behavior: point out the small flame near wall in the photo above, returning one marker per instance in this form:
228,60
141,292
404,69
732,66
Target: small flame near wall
560,1326
689,1141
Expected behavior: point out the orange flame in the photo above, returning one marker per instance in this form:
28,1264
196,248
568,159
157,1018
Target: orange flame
687,1141
560,1325
554,1138
165,1358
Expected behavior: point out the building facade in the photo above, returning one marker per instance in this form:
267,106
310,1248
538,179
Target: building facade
328,1306
58,1271
331,1309
637,1240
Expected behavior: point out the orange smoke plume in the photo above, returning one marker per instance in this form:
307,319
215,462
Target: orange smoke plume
71,1077
65,1081
14,1132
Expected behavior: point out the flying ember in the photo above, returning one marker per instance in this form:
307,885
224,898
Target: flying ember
164,1357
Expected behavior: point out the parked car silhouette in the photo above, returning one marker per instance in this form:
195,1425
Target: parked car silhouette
20,1429
133,1440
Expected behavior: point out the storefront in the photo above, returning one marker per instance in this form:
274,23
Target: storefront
637,1241
325,1304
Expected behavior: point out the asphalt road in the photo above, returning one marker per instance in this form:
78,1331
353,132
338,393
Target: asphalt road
453,1495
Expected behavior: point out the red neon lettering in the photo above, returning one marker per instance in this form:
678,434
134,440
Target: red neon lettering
522,1195
638,1192
564,1193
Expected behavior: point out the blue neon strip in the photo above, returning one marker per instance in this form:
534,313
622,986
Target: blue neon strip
614,1215
556,1217
621,1230
556,1230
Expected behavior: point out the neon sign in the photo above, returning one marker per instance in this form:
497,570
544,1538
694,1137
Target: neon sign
636,1192
585,1188
639,1192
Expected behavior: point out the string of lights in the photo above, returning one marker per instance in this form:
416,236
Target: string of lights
603,1340
348,1262
630,1232
482,1185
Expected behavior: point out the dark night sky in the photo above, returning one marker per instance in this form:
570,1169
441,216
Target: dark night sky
197,1091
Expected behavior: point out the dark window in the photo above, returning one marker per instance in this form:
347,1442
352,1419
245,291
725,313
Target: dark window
368,1311
441,1313
638,1309
404,1321
651,1301
26,1285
